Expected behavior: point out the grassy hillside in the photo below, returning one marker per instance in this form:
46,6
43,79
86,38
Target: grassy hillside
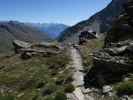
39,78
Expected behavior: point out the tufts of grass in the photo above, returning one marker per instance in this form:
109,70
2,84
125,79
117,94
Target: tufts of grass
87,49
125,87
69,88
33,79
7,97
58,61
60,96
49,89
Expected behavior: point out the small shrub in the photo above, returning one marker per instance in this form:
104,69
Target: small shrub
40,84
49,98
59,81
49,89
69,79
60,96
125,88
27,84
69,88
58,61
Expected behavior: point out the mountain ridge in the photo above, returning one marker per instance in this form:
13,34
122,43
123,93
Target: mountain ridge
10,30
99,22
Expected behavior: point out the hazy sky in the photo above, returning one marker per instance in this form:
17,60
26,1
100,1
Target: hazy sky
61,11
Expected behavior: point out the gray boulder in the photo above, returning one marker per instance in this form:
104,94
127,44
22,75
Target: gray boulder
86,35
20,44
27,50
107,89
107,69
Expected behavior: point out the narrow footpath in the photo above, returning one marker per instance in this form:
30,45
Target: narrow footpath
78,76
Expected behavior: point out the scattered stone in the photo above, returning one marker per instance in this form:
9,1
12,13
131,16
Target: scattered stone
107,89
20,95
20,44
127,79
125,97
26,55
86,35
86,91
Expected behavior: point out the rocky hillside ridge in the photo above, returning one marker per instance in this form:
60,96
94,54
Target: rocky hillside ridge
100,22
113,64
11,30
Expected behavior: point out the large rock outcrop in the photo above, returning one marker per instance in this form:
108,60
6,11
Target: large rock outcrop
123,28
27,50
114,61
86,35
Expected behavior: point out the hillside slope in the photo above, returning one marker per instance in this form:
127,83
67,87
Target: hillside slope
15,30
37,78
100,22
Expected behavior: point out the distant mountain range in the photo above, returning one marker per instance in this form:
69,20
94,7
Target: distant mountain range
10,30
53,29
100,22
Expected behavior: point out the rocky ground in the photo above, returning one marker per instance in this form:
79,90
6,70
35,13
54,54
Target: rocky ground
111,69
34,75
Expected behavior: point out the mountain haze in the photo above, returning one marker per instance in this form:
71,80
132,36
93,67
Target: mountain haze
53,29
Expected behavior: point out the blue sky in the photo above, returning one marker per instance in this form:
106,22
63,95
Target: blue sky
50,11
